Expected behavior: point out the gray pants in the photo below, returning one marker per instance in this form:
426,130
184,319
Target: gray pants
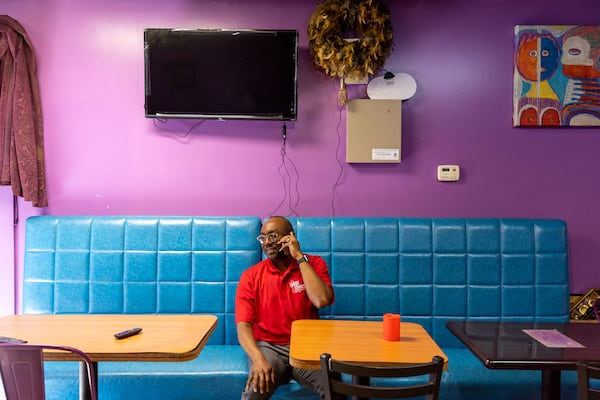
279,358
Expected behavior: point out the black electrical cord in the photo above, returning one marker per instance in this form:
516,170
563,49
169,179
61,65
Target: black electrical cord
286,177
338,181
164,122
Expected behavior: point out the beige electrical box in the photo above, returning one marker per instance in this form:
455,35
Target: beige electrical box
374,129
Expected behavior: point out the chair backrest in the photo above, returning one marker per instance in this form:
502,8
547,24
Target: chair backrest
585,373
22,370
334,371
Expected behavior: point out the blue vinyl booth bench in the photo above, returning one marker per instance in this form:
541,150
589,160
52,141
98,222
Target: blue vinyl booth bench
429,270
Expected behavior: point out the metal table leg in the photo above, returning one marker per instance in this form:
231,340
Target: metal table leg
550,384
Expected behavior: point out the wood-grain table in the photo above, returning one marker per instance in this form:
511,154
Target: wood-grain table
164,337
360,342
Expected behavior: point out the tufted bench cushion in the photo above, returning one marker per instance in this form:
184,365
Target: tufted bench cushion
430,270
140,265
435,270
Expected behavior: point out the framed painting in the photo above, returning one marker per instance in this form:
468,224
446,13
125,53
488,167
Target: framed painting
556,75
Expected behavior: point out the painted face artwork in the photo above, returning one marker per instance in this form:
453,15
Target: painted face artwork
581,64
581,53
537,60
534,49
556,75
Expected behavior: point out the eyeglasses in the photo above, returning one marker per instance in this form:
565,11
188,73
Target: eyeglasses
271,237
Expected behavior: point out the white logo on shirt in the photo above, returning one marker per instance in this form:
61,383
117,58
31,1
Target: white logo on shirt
296,286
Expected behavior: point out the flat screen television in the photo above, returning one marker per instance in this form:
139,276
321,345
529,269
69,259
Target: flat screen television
221,74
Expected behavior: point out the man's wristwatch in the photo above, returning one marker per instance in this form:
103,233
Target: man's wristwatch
302,259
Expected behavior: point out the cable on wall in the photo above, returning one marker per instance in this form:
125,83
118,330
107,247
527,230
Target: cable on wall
338,181
285,169
163,127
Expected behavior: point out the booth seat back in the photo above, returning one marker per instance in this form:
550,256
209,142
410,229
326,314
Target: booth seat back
434,270
138,265
430,270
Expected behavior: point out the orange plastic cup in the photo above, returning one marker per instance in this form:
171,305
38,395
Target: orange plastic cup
391,327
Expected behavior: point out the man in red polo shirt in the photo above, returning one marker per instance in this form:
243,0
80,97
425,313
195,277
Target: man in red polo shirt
287,285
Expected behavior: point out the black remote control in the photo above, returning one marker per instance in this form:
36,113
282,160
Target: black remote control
127,333
6,339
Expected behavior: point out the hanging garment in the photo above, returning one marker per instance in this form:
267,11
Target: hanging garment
21,131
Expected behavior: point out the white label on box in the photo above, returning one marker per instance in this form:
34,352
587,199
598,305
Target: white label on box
385,154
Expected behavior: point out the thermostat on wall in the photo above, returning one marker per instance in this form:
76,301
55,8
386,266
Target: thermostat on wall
448,173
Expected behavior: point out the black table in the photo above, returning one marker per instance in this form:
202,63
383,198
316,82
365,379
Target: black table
504,345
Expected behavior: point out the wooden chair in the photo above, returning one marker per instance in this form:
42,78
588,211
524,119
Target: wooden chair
333,371
22,370
585,373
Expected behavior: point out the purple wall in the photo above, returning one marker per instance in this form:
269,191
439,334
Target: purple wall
7,287
104,157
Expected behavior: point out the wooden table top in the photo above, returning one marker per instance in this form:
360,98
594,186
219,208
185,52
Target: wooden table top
361,342
164,337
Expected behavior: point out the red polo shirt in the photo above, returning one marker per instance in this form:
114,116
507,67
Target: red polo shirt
271,300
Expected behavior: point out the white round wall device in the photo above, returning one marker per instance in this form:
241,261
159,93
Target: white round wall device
398,86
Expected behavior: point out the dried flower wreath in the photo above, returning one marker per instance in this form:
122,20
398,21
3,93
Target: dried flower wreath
349,39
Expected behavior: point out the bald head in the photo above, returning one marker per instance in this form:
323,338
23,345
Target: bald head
279,224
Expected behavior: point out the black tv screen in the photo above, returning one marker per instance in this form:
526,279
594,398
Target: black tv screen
221,74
